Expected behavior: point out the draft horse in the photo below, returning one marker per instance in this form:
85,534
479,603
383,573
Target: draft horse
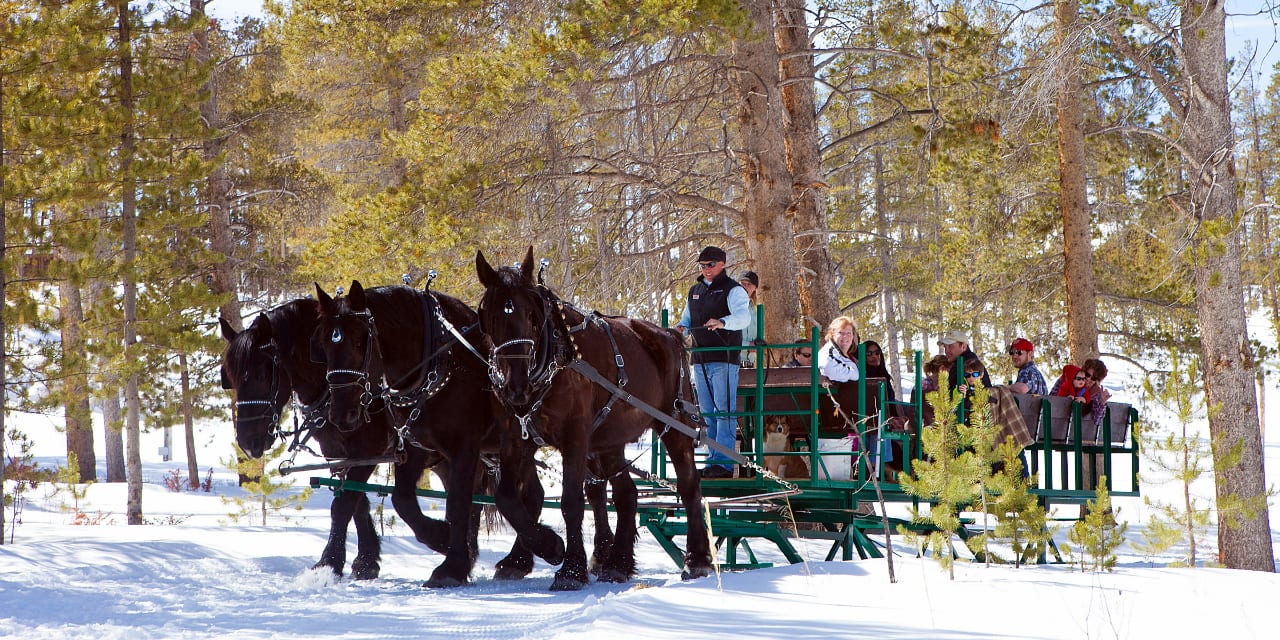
419,352
537,338
267,363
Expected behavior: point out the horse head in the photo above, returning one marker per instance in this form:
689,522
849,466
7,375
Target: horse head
251,367
346,340
517,318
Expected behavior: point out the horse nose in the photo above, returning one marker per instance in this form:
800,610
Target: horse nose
346,419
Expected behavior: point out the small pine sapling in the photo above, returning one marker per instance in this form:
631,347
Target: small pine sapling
948,478
1098,534
263,494
1021,521
69,478
1182,456
978,435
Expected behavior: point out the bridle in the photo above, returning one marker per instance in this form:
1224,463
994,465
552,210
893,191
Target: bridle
540,356
273,415
361,378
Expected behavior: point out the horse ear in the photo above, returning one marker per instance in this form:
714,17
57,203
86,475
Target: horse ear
526,267
323,297
356,299
488,277
228,333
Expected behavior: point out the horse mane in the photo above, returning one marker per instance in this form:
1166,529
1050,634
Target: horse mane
511,277
292,324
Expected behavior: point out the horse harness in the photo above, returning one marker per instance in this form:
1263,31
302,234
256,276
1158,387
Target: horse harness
433,372
554,351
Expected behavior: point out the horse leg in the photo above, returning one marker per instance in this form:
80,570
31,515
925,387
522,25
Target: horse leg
404,497
622,560
697,557
598,498
517,464
519,562
572,574
334,555
455,571
366,566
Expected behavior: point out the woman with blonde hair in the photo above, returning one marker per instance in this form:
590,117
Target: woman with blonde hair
835,362
838,372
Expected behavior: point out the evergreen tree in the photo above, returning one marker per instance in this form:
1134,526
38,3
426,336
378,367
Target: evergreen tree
1098,534
949,477
1021,521
266,496
1181,454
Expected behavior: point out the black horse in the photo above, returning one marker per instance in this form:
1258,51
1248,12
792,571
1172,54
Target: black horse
420,350
536,337
264,365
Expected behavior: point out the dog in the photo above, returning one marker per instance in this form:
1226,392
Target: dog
776,440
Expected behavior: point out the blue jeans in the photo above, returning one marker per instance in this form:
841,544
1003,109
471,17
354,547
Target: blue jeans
717,386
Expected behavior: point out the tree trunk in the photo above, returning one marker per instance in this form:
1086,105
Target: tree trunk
1244,535
128,215
1082,306
818,296
114,429
188,423
75,377
217,198
766,181
4,283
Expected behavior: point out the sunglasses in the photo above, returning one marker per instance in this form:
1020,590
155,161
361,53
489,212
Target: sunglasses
1016,352
974,374
1080,377
873,352
805,354
706,265
1089,376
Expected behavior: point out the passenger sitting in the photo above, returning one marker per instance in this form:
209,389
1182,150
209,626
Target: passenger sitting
801,357
876,367
1071,384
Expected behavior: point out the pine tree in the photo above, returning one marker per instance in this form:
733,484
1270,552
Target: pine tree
1021,520
950,477
1179,453
265,496
1098,534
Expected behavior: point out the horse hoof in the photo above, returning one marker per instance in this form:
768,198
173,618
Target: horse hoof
361,571
510,573
552,547
323,564
612,575
444,582
563,583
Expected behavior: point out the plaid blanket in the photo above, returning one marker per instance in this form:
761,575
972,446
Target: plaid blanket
1005,413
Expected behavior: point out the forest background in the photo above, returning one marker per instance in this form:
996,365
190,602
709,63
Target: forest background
1094,175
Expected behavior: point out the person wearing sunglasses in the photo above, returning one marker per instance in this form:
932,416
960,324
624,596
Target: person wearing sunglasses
1030,380
1071,384
876,367
975,375
801,357
715,315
